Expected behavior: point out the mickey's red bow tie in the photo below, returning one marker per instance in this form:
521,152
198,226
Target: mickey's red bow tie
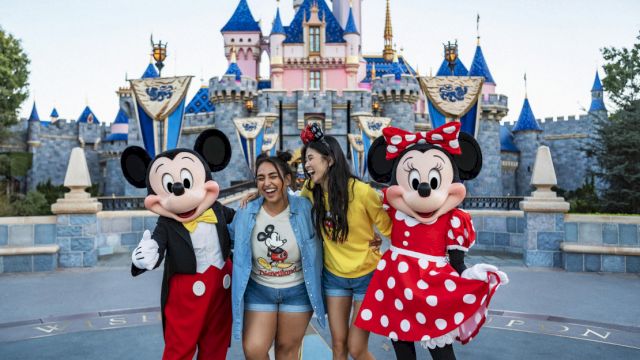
446,137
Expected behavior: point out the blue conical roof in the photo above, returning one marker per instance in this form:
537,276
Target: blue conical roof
458,70
597,85
150,72
121,118
88,116
277,25
333,31
526,120
242,19
54,113
351,27
479,67
506,140
234,69
200,103
34,113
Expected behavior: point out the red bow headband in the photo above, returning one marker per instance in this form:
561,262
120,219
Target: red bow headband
446,137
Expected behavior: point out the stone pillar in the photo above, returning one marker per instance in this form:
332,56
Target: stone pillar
77,223
489,181
543,215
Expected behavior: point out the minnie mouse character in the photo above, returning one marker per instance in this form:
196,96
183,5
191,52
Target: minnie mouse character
191,236
422,290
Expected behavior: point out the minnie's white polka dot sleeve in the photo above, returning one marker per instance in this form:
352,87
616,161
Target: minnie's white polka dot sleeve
461,234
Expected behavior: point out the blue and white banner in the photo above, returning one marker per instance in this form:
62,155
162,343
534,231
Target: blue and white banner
371,128
454,98
251,137
358,155
159,106
269,143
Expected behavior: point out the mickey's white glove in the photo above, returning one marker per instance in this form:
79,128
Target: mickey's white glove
479,272
146,255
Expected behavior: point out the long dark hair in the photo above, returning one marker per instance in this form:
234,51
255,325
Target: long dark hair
340,195
280,163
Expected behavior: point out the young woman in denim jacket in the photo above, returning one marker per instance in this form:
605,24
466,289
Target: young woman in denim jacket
277,267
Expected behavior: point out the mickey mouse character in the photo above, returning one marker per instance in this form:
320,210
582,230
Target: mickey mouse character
191,236
275,252
422,290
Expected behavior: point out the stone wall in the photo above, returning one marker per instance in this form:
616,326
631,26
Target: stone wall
608,231
498,230
26,232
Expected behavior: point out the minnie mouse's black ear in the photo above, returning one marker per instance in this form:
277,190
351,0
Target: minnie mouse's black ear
378,166
215,148
470,161
134,162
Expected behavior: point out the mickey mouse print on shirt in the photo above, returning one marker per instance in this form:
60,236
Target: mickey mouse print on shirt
275,251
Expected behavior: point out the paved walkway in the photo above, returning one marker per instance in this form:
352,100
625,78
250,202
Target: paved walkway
104,313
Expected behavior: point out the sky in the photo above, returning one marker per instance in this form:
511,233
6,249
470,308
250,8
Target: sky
81,51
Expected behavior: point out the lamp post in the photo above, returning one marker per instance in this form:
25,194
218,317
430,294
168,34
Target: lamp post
376,107
451,54
249,105
159,54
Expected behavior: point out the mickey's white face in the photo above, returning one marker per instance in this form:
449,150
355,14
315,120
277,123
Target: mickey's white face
425,188
180,187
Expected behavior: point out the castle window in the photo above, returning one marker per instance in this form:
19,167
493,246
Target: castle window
314,80
233,40
314,40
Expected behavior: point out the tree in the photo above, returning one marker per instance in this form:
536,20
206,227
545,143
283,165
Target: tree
617,145
14,75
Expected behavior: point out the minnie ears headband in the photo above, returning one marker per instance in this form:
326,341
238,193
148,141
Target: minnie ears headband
312,133
446,137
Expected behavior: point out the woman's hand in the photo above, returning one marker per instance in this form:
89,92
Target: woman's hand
376,242
248,197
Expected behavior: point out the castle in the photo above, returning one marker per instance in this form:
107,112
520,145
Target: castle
318,73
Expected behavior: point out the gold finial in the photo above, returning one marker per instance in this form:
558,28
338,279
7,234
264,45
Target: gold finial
525,86
388,36
373,71
233,54
417,70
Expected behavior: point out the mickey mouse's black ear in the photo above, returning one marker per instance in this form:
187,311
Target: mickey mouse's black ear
215,148
470,161
134,162
378,166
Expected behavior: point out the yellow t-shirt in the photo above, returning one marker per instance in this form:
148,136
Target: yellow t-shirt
354,258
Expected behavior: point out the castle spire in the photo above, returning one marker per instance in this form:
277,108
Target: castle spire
242,20
597,101
34,113
351,27
388,36
277,27
234,69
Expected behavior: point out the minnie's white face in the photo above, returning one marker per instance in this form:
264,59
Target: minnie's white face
181,191
425,189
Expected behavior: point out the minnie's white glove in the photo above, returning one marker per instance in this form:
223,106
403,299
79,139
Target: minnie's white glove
479,272
146,255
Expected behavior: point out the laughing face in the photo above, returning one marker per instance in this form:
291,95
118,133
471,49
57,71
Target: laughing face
424,187
317,165
180,189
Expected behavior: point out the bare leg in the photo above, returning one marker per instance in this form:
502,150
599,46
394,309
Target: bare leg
291,329
338,308
258,333
358,338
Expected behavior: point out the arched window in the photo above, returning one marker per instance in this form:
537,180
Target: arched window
314,40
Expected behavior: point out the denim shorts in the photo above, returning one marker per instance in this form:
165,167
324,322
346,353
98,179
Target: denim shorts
340,286
264,298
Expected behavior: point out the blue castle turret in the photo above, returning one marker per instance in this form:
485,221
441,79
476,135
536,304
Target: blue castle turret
527,139
597,101
494,107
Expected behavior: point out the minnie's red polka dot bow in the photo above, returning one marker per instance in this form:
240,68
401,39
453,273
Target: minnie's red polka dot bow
446,137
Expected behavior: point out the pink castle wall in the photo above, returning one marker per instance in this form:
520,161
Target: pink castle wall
293,79
246,63
336,79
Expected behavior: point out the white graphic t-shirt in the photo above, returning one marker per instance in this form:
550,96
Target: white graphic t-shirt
275,252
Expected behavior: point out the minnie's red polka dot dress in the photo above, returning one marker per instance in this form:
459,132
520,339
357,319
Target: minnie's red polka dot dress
415,295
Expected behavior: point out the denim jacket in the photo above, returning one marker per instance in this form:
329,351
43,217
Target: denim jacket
310,251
